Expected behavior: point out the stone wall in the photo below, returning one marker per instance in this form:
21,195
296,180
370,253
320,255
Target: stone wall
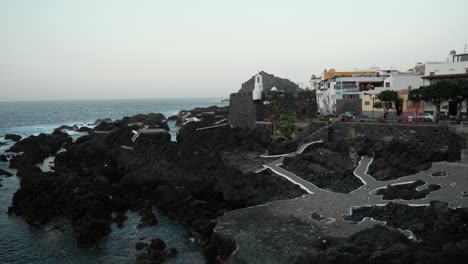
304,130
439,135
242,110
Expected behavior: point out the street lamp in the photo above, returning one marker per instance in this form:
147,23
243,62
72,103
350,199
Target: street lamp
373,103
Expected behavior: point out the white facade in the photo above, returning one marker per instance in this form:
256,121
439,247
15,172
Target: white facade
326,97
258,88
455,64
442,68
403,81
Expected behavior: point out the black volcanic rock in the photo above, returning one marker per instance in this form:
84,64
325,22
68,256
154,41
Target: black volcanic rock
324,168
155,120
84,129
66,127
208,115
95,178
407,191
398,159
148,218
36,148
13,137
2,143
173,118
3,158
440,230
374,245
156,252
282,146
5,173
225,137
105,126
270,81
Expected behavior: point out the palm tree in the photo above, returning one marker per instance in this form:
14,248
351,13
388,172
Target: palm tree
273,113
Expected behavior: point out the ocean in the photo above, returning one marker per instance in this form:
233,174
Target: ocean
21,243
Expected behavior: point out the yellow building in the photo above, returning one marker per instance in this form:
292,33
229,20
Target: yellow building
332,72
373,107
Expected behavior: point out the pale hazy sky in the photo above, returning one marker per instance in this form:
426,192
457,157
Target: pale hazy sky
94,49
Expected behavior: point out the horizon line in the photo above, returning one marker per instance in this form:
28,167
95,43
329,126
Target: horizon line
109,99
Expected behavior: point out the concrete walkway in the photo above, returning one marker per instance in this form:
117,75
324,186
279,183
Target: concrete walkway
288,226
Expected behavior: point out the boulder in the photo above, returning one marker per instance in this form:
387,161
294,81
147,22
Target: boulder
148,218
157,244
13,137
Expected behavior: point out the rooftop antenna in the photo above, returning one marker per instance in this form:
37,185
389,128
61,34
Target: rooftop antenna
466,46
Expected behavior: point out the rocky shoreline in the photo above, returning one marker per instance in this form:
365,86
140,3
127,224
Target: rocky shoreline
208,172
95,179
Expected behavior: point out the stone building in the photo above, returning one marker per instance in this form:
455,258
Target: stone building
248,106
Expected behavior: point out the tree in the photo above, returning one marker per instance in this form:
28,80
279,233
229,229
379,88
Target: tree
273,113
287,124
439,91
458,91
388,97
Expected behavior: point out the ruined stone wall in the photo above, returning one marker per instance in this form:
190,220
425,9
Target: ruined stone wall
242,110
303,104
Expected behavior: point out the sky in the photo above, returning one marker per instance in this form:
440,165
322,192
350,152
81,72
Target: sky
116,49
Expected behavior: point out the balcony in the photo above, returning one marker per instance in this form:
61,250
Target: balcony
350,89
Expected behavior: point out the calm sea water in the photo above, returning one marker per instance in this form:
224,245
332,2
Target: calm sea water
20,243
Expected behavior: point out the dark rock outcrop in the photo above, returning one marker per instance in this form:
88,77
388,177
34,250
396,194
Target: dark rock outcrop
441,232
95,177
13,137
3,158
398,159
407,191
66,127
324,168
148,218
374,245
436,223
156,252
172,118
5,173
282,146
270,81
36,148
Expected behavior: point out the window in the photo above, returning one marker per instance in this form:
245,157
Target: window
367,102
387,84
351,96
258,79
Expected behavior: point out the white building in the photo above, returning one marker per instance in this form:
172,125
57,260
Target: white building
456,67
403,81
258,88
